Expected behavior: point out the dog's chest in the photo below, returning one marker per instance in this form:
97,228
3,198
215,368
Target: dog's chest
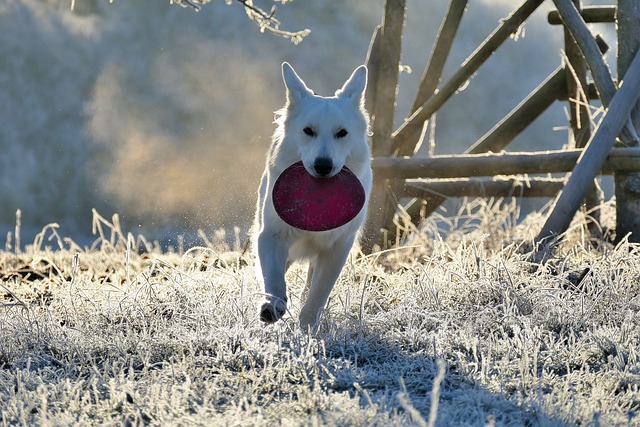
307,244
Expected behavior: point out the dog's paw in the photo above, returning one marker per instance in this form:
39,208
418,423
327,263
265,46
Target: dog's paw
309,322
271,314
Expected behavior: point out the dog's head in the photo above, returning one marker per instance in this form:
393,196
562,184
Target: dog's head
328,132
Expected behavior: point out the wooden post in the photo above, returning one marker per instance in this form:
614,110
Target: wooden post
593,157
387,81
627,185
381,207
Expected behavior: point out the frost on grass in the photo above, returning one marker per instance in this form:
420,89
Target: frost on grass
110,335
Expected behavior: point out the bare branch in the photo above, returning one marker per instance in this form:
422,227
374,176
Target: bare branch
195,4
265,20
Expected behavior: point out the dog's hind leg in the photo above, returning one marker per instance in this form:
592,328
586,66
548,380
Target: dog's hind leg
328,266
307,285
273,255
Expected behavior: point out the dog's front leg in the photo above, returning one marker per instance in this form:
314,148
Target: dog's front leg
273,253
328,266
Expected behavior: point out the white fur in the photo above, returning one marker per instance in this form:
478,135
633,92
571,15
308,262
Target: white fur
276,243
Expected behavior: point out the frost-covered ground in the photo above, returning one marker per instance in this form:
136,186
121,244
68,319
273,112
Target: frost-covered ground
456,327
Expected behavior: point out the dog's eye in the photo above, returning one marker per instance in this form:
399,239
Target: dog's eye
308,131
341,133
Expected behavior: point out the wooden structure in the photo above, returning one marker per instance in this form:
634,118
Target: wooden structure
398,174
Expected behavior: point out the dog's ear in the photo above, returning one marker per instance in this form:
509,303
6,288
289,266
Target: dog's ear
354,87
296,89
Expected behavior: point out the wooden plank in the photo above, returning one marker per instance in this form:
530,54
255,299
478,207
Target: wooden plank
594,156
483,187
590,14
599,70
491,164
440,53
507,27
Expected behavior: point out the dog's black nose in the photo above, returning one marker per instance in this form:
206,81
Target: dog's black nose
323,166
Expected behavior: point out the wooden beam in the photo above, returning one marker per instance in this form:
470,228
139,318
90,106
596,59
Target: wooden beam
554,87
440,52
491,164
381,207
594,156
590,14
599,70
387,80
508,26
483,187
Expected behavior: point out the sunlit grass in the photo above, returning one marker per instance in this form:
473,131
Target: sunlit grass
114,335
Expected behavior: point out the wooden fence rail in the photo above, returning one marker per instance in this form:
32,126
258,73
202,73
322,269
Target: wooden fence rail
591,15
491,164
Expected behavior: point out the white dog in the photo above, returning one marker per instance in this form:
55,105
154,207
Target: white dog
325,133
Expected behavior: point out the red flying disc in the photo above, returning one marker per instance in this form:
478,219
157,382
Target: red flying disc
317,204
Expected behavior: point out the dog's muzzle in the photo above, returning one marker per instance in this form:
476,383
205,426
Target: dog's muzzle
323,166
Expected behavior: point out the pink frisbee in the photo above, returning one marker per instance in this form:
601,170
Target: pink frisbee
317,204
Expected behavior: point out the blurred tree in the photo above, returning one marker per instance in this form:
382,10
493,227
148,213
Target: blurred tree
265,20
